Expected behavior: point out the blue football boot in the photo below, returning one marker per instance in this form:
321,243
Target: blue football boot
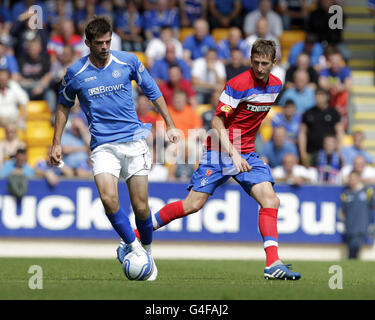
281,272
122,250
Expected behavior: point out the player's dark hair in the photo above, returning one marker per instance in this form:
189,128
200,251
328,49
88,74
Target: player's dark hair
97,27
289,102
264,47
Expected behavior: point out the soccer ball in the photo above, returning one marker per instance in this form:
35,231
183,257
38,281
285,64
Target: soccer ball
138,265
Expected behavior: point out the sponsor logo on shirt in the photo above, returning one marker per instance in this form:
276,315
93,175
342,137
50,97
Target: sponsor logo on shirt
106,89
252,108
90,78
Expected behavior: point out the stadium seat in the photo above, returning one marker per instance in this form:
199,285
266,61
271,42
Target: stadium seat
35,154
288,38
38,110
38,136
141,56
203,108
185,32
347,140
220,33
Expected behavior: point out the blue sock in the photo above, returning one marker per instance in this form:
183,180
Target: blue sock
120,222
145,229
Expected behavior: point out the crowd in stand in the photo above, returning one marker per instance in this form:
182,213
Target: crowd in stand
307,135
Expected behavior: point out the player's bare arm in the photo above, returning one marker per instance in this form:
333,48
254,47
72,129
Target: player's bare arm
240,163
62,114
172,132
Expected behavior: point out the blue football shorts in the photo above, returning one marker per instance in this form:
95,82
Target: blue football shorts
215,168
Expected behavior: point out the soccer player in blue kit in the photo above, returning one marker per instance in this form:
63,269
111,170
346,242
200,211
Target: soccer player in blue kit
102,83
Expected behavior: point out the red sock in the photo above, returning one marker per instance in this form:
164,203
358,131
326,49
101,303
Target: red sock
168,213
268,230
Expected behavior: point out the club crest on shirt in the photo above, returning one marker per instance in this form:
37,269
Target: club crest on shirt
226,108
116,73
208,172
141,68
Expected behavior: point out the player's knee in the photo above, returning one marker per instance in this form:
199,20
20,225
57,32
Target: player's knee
141,211
194,206
110,203
272,202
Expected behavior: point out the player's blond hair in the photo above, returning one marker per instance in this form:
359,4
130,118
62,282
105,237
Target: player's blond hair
264,47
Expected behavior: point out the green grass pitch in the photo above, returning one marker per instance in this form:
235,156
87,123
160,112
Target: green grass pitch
183,280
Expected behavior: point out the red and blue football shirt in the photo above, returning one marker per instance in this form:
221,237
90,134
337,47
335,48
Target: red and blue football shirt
245,102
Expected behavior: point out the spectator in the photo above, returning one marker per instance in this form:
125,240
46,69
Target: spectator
289,119
236,64
22,7
318,24
6,20
338,80
58,70
350,152
294,13
66,36
365,171
208,74
84,11
8,61
17,165
317,122
75,148
291,172
128,25
225,13
160,69
57,11
13,100
192,10
303,63
183,115
50,173
262,31
274,150
310,46
234,41
196,45
157,47
36,75
145,111
11,143
301,93
264,10
162,16
177,82
24,29
208,115
328,161
357,205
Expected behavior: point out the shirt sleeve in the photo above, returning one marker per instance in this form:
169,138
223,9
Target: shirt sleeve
67,94
229,100
143,78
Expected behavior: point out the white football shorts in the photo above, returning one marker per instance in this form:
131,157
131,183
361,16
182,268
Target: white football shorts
122,160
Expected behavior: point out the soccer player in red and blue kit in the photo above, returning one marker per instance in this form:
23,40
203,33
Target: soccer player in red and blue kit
243,105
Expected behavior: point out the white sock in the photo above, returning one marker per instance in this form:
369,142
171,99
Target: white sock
135,245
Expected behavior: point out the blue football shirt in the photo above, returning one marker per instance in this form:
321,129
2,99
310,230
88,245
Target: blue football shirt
105,96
